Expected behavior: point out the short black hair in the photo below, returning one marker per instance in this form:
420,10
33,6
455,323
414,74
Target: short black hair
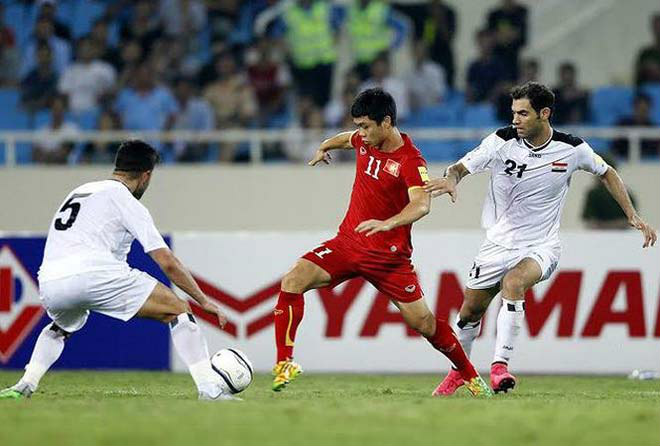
539,96
136,156
376,104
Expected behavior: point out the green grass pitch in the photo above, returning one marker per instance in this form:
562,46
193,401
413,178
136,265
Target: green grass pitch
129,408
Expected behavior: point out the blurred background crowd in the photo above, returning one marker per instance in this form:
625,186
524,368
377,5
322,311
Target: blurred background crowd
72,65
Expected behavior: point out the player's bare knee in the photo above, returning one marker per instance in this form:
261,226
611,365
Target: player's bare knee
295,281
424,324
513,286
472,311
167,318
427,325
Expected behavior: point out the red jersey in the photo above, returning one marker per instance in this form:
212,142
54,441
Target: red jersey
380,191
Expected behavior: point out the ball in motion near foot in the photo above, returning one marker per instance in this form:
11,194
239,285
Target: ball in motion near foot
234,368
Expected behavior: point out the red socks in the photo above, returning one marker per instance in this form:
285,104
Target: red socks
445,341
288,314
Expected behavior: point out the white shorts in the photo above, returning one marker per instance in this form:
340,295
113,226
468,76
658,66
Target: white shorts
494,261
120,295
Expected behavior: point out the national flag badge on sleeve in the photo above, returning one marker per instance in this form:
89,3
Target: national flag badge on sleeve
423,173
559,166
393,168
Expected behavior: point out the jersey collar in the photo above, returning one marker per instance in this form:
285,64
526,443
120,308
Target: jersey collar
542,146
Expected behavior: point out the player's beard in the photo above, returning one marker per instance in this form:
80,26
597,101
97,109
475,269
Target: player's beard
140,190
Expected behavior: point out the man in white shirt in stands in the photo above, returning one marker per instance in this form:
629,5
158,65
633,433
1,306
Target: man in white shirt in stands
84,269
87,79
531,165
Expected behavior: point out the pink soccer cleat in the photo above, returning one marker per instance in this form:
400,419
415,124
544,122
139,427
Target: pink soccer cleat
500,378
450,384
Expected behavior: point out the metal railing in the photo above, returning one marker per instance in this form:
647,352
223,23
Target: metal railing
256,138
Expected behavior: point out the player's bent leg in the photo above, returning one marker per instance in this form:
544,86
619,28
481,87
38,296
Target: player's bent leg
305,276
468,325
440,335
47,350
163,305
510,320
468,321
289,310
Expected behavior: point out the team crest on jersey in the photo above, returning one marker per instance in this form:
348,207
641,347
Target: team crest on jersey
393,168
363,151
20,307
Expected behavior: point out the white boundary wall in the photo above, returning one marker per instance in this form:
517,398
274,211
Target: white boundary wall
273,197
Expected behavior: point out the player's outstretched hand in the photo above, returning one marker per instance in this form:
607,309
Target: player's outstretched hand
650,236
212,308
441,186
372,226
320,155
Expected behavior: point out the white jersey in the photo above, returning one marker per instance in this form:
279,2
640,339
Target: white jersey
93,231
528,185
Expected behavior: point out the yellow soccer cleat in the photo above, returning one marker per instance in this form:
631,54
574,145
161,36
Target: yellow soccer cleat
285,372
478,387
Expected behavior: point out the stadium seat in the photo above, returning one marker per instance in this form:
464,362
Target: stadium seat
88,119
17,16
440,115
12,117
653,91
609,104
480,115
84,13
435,150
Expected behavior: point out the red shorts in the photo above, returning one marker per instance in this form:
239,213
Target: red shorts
393,276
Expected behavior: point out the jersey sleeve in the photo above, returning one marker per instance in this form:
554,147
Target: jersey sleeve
480,159
137,220
414,172
356,140
590,161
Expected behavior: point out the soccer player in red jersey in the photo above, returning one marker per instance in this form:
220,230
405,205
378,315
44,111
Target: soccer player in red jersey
374,240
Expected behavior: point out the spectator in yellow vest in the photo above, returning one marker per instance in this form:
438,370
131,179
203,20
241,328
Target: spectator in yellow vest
373,27
308,29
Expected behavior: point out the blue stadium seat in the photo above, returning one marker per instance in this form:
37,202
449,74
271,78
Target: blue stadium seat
480,115
440,115
610,104
40,118
17,17
653,90
12,117
84,13
435,150
87,120
454,98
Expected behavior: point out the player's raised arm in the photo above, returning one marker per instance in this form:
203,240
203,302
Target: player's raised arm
617,189
177,273
418,207
339,141
447,184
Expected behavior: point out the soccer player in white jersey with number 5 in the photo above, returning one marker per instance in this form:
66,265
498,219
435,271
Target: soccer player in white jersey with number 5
530,166
84,269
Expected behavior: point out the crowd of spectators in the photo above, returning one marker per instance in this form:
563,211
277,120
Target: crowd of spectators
219,64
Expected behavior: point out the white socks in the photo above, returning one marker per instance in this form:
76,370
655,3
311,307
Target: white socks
191,347
467,332
509,322
47,350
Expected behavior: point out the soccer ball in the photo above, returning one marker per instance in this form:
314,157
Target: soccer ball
234,368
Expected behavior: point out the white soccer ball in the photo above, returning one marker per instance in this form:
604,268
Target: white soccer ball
234,368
